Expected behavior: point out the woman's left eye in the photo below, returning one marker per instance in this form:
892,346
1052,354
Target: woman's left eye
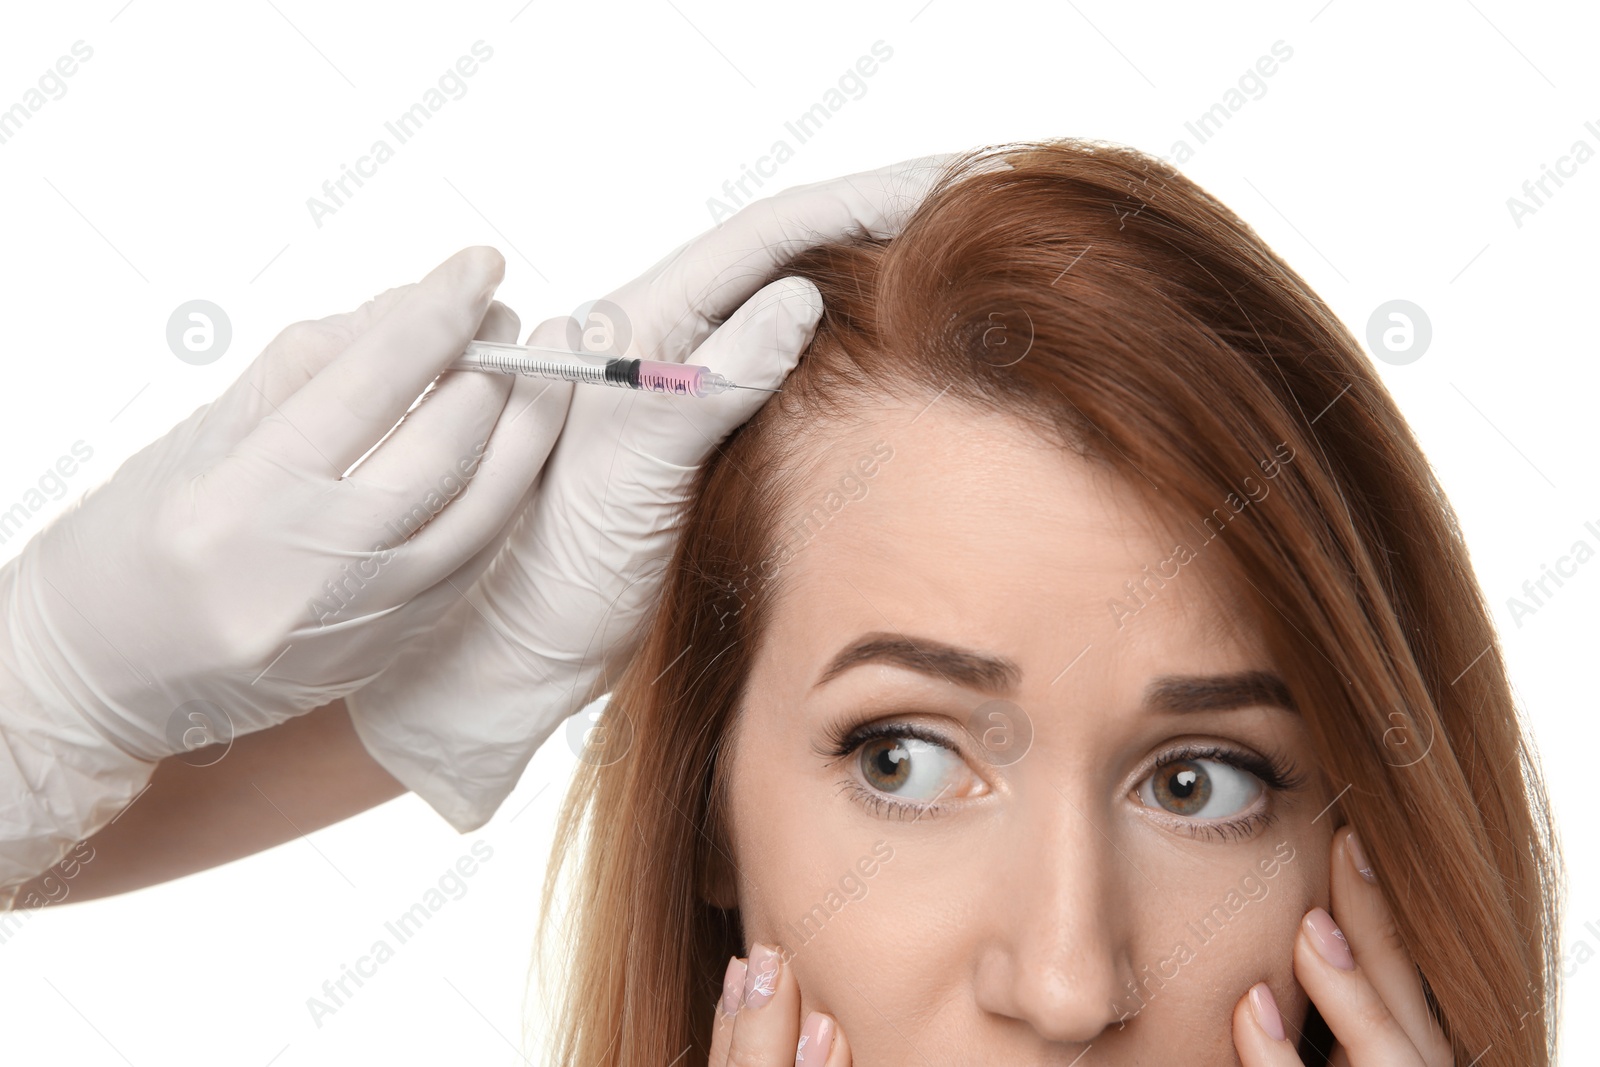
1200,788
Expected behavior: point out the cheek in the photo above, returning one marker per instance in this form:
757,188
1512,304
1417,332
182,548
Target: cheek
1200,948
857,915
1306,887
880,951
1261,948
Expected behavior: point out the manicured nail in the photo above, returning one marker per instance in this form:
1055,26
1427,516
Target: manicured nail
1359,858
733,985
816,1040
1266,1010
1329,939
761,977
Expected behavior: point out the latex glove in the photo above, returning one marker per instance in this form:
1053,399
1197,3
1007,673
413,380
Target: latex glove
558,608
227,577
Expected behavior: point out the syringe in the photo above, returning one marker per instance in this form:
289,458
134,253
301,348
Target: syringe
683,379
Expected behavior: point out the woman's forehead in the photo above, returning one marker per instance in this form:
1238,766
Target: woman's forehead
946,514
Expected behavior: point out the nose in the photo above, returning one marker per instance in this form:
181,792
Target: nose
1057,952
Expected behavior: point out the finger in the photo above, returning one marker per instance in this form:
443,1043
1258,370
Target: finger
425,607
302,349
1363,914
819,1042
763,339
1358,1016
1258,1031
496,491
514,453
767,1029
291,359
354,401
458,581
451,420
727,1010
758,346
680,300
839,1054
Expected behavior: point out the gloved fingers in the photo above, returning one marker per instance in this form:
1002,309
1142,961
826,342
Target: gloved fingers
677,303
349,405
290,360
302,349
758,345
427,460
878,202
924,170
516,450
462,579
429,609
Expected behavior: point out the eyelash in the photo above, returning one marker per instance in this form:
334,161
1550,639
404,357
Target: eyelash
843,741
1277,772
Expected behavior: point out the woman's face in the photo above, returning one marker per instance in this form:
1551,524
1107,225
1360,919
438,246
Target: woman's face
1014,867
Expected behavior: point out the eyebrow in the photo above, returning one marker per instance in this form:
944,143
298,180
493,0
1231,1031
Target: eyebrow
963,666
1172,694
1179,693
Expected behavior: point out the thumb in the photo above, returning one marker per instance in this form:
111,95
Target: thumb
758,345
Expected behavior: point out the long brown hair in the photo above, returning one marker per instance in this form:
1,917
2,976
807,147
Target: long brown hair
1160,336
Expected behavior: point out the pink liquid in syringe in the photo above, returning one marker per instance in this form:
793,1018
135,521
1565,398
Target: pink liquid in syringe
659,377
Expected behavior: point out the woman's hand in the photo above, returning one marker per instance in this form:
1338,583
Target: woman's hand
1372,1000
758,1020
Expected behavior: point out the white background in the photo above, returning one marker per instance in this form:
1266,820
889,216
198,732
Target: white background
178,164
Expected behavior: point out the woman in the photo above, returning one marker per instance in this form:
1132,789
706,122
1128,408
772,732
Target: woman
1050,671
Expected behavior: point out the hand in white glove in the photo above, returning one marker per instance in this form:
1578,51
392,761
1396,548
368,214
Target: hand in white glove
227,577
458,721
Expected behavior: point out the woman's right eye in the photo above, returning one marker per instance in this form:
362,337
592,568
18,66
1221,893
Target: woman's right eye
912,769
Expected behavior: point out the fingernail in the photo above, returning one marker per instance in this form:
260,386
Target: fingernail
1266,1010
1359,858
733,985
816,1039
1329,939
761,976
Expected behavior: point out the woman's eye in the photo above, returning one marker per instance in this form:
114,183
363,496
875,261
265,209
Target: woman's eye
1200,789
911,768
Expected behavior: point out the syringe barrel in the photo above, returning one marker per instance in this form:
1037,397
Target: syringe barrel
518,359
650,375
684,379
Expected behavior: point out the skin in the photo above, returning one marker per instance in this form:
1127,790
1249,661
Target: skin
1008,926
216,805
